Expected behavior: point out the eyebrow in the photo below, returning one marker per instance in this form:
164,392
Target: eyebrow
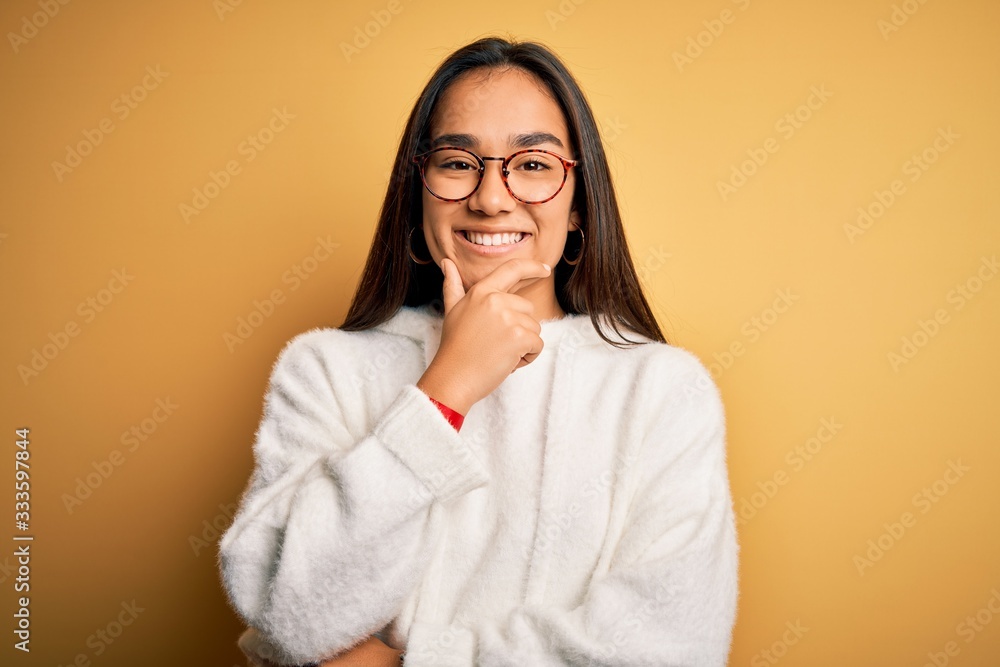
526,140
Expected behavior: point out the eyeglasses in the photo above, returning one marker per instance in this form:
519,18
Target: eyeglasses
532,175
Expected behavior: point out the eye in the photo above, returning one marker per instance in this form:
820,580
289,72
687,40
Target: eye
457,165
535,165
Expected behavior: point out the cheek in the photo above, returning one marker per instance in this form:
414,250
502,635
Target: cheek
552,240
554,222
437,225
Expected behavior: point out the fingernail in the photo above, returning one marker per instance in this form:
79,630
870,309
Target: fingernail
547,267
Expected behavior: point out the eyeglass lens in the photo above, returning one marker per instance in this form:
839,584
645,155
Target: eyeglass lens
533,176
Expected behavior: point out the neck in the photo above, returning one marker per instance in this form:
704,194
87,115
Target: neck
542,295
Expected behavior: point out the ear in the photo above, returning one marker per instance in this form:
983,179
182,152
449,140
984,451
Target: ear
574,221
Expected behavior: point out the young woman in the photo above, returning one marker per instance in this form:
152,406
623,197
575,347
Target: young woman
497,459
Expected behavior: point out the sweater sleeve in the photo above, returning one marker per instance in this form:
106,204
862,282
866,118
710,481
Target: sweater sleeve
667,594
333,532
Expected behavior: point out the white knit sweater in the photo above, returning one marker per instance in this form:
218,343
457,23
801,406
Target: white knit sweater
582,515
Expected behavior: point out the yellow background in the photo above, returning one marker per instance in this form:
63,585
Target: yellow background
711,264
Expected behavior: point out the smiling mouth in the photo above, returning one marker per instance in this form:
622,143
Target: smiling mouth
498,239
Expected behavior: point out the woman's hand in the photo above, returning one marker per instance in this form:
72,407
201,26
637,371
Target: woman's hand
370,653
487,334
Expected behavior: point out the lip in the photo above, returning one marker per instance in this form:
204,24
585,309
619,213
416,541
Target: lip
491,250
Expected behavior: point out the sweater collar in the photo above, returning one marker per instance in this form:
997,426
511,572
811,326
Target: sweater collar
419,323
422,324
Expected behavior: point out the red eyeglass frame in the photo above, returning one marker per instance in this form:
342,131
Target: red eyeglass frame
421,160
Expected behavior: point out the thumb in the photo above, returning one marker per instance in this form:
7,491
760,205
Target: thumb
451,290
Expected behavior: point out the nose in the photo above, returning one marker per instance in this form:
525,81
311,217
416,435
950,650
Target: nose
492,197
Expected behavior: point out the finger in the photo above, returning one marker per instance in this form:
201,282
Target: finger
525,360
518,305
535,346
513,271
528,321
452,290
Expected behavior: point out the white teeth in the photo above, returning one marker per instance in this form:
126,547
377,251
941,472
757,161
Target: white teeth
505,238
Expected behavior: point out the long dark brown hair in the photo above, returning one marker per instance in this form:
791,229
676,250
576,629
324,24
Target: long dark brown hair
603,283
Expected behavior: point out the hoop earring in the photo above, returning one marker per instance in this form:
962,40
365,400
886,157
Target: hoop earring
409,249
579,255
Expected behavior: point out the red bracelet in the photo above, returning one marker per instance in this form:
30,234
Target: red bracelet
454,418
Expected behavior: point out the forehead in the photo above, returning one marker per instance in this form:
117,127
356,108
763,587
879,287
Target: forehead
494,106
